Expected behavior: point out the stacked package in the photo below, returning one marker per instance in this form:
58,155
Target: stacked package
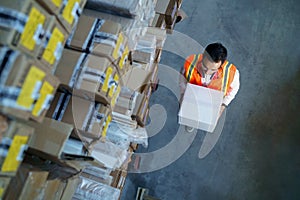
32,37
166,14
75,87
133,15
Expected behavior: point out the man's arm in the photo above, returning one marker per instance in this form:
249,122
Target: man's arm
182,80
235,85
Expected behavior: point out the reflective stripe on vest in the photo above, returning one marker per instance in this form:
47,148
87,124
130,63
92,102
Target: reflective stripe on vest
191,67
225,78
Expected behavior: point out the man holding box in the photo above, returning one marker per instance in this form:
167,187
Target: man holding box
212,70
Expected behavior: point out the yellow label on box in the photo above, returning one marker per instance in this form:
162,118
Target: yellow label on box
108,120
122,60
115,97
11,162
107,77
57,37
25,98
112,89
1,191
57,3
118,45
68,12
35,19
47,89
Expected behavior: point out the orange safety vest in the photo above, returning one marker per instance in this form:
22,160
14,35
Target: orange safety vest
221,80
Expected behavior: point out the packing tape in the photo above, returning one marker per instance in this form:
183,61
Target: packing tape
86,122
105,38
92,75
87,41
64,106
96,115
75,74
61,106
11,18
7,57
94,118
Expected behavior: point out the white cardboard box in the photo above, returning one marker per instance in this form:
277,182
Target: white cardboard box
200,107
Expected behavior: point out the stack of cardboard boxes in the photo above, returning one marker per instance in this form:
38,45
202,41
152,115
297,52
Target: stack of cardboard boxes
32,37
132,15
75,87
166,13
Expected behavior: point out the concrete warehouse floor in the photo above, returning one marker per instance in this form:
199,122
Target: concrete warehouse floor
257,154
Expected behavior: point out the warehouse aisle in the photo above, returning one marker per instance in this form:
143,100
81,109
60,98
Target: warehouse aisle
256,156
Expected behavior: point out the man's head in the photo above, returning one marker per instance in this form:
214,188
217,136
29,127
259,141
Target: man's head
214,56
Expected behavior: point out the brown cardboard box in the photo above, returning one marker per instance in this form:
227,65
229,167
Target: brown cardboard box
100,37
158,54
154,74
80,166
88,117
78,112
46,94
137,79
52,44
70,12
14,141
141,110
81,38
147,91
4,182
108,40
145,50
69,67
158,20
94,79
119,177
170,28
160,36
50,136
70,189
27,86
168,8
12,78
52,6
129,9
28,184
58,105
54,189
26,22
87,76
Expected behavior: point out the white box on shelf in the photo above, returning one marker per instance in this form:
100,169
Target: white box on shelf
200,107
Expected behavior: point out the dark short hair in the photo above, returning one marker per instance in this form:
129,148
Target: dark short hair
216,52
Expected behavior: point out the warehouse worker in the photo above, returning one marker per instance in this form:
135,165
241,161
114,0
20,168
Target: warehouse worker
212,70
